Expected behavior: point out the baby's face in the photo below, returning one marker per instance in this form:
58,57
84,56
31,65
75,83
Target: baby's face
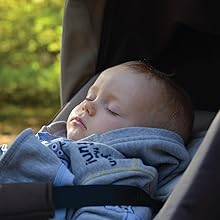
119,98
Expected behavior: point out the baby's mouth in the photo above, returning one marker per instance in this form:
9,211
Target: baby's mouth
78,121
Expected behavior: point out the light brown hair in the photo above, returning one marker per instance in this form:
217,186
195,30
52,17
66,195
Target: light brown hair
178,110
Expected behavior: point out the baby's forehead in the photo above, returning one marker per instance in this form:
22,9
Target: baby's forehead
119,72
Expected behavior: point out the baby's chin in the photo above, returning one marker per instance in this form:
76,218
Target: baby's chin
75,135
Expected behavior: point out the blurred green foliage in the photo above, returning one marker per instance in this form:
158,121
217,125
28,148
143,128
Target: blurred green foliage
30,43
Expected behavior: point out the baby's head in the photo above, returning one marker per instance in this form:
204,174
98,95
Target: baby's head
132,94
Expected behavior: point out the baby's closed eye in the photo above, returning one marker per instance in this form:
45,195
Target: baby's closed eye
113,110
90,97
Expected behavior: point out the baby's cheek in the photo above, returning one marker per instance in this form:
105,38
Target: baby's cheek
76,109
114,124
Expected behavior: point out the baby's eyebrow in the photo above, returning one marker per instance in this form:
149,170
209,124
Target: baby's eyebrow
111,96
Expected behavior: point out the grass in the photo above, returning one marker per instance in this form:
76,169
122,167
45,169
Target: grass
14,119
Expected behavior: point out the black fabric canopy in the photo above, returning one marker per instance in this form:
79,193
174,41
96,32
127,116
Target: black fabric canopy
180,37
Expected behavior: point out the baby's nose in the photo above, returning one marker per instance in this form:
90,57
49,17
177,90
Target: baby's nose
90,108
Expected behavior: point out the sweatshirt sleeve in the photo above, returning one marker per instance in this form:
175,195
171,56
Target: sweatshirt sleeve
27,160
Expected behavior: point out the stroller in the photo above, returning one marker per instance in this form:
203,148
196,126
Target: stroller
178,37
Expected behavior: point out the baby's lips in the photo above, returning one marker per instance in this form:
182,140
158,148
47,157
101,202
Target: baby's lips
78,120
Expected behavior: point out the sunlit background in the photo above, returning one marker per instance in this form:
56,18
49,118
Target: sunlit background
30,39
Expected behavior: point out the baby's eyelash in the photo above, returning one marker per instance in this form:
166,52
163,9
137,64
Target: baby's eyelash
88,99
113,113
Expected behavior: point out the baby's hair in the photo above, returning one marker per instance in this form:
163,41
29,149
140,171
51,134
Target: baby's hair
177,104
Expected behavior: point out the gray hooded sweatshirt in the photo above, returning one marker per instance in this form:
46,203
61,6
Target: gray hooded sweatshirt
147,158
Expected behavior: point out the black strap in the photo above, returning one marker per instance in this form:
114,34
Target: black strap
99,195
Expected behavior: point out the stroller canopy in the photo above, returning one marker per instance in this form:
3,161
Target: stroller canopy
179,37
